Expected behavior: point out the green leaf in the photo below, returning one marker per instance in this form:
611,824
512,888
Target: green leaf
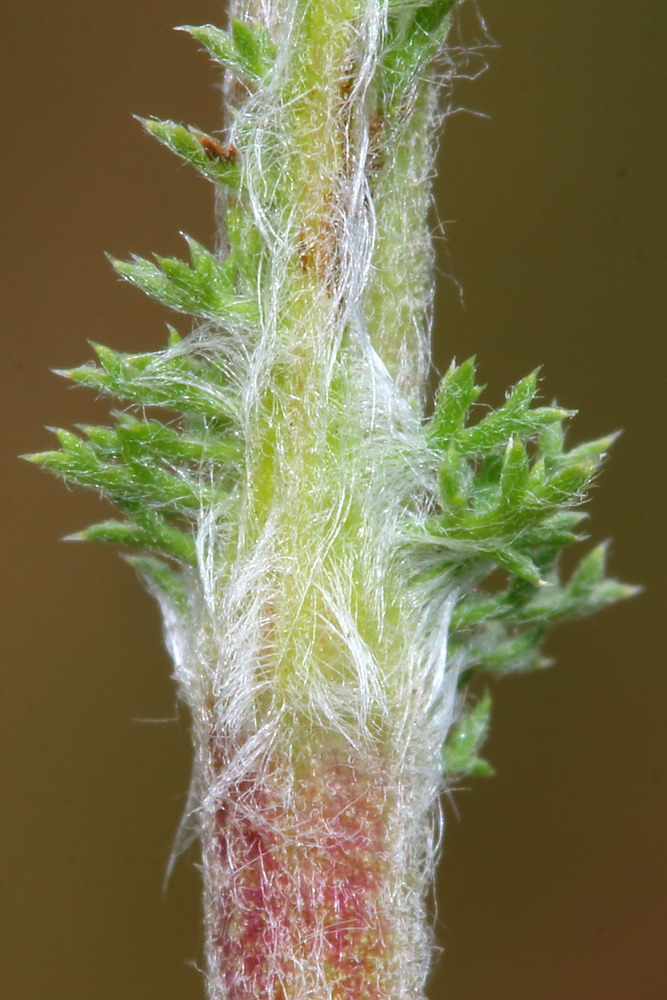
218,42
514,474
499,650
555,531
503,509
251,47
172,380
197,148
142,439
473,609
158,536
160,577
517,563
590,570
416,34
454,481
203,288
551,438
588,455
430,15
455,396
460,754
604,593
245,242
567,485
132,480
513,420
248,50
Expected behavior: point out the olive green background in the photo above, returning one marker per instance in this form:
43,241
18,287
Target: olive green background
553,879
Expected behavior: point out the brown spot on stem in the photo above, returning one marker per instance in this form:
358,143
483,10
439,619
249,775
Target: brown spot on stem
375,153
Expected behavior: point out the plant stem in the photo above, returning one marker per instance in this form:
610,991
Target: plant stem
317,794
319,549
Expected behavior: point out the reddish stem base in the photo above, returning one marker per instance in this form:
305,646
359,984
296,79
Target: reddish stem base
298,876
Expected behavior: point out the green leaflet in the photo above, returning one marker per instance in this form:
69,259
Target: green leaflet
153,473
154,535
245,245
247,49
509,493
140,462
205,287
127,482
416,33
460,754
503,495
160,475
173,381
200,150
160,578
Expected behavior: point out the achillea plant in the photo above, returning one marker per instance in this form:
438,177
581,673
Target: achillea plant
321,551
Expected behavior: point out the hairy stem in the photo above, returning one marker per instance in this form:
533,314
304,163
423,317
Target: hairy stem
322,552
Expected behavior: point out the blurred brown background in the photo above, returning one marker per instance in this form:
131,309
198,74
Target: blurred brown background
553,880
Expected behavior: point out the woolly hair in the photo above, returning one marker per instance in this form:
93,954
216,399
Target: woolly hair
319,549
